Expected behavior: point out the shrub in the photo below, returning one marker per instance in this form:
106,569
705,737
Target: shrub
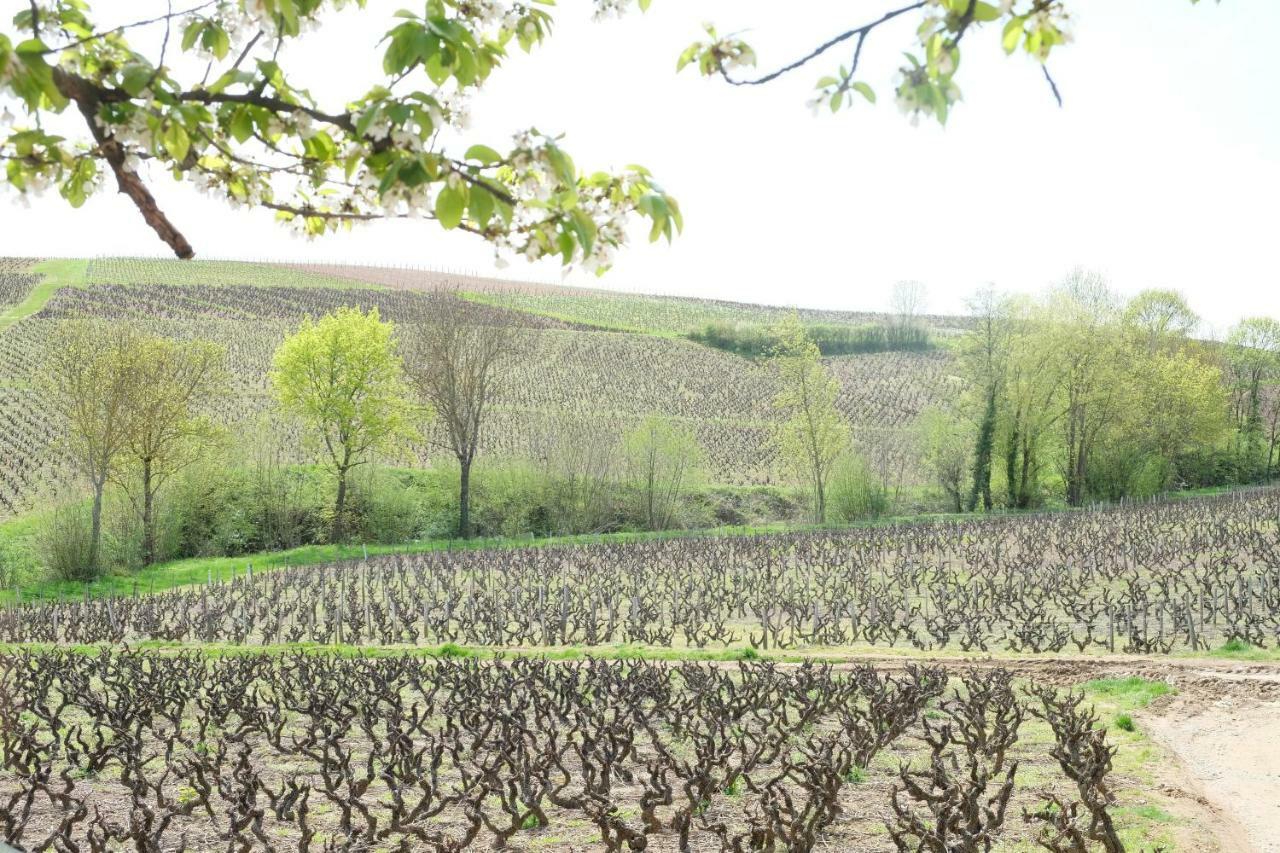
855,491
64,542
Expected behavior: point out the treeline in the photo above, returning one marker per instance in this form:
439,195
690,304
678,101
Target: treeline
756,340
358,401
1080,396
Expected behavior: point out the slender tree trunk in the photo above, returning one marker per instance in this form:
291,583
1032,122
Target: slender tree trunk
464,500
148,515
95,528
339,507
1011,463
1024,478
982,455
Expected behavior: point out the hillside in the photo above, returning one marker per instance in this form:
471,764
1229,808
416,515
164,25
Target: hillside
597,359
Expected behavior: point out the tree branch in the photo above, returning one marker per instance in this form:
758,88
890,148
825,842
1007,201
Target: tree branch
824,47
121,28
201,96
87,100
1057,96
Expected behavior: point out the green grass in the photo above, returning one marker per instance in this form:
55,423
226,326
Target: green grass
57,275
1127,694
170,271
17,546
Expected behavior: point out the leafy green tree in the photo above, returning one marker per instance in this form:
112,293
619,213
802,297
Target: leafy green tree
985,351
1253,364
1030,396
244,127
343,378
1160,318
662,460
171,381
945,451
1085,344
810,434
90,375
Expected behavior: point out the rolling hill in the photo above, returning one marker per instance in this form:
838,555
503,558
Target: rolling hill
600,359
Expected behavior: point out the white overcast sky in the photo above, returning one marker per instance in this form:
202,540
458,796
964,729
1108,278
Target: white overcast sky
1162,169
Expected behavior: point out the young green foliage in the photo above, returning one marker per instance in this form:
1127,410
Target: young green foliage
810,433
343,378
220,105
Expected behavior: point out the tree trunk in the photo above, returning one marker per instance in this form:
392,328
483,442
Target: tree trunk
339,507
1024,481
95,529
148,516
1011,464
464,500
982,455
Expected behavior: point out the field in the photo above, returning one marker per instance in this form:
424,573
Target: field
568,369
1071,681
1146,580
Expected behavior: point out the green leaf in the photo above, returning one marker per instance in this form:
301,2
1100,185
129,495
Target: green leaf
135,77
1012,35
449,206
484,154
985,12
865,91
481,206
191,33
176,141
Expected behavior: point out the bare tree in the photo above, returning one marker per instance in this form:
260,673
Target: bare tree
908,301
455,359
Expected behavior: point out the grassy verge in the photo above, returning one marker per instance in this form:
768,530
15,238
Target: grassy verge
17,535
58,274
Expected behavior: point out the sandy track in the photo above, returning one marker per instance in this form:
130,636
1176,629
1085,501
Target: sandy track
1220,733
1228,752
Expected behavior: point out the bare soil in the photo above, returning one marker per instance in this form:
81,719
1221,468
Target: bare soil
1220,735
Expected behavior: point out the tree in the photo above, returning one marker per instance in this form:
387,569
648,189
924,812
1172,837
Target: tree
1030,401
907,302
1159,317
171,380
810,434
662,461
1085,345
248,130
1253,363
90,377
456,360
251,132
986,351
342,376
944,450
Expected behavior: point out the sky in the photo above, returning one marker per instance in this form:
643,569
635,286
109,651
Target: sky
1162,169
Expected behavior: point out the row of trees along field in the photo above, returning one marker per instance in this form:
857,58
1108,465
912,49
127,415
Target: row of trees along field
353,390
1080,396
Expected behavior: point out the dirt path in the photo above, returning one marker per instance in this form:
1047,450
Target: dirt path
1220,731
1229,755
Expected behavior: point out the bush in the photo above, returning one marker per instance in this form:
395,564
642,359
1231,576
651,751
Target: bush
753,340
855,491
64,542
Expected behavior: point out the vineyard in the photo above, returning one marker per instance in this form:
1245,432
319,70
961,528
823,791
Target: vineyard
159,752
568,369
942,686
1156,579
